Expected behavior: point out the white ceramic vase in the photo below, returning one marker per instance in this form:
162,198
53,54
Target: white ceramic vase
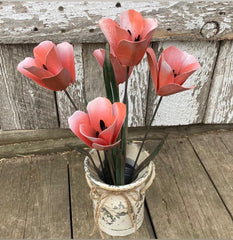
119,210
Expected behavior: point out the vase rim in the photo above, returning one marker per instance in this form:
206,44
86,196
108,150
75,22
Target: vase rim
136,183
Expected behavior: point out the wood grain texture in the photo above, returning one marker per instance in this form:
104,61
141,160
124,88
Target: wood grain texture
220,102
137,93
76,91
182,201
82,211
76,21
215,152
93,73
187,107
34,198
23,103
23,142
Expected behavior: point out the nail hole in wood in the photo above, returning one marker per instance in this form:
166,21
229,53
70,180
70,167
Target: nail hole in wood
222,13
35,29
91,30
169,29
118,5
63,30
61,9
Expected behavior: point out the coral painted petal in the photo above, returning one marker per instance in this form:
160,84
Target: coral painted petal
66,52
99,54
105,147
174,58
100,109
188,59
180,79
131,53
119,110
122,34
59,82
150,24
191,67
40,52
26,63
39,72
170,89
53,61
108,28
166,75
119,70
153,66
75,121
108,133
133,21
90,133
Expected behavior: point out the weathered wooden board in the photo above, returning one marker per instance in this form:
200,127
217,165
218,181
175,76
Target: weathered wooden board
35,21
137,93
23,142
23,103
34,200
187,107
93,74
182,201
215,152
82,211
76,90
220,102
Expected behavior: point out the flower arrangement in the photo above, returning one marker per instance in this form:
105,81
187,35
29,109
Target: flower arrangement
104,126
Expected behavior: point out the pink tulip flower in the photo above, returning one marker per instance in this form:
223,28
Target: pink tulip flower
130,40
119,70
52,67
99,128
174,67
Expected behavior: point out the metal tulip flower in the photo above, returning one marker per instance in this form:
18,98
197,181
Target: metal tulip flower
130,40
99,128
174,67
52,67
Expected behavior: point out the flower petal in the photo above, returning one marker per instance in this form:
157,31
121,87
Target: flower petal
27,62
166,74
66,52
191,67
180,79
108,28
170,89
174,58
107,134
53,61
99,54
188,59
131,53
90,133
100,109
41,51
105,147
153,66
133,21
122,34
150,24
59,82
119,110
75,121
120,71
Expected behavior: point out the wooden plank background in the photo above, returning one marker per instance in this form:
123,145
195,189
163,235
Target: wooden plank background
206,31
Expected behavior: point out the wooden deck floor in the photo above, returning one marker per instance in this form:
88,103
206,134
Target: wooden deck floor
45,195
